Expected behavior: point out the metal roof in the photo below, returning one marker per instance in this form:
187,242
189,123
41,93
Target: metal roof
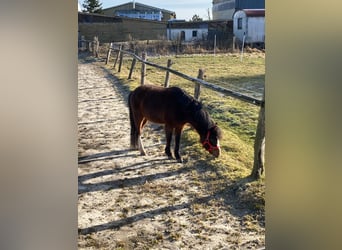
141,5
254,12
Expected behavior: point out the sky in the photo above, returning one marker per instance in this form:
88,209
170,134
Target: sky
185,9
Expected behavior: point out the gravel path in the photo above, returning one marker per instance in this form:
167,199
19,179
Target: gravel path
128,201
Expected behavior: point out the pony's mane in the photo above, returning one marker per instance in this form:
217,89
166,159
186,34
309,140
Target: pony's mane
195,110
218,132
186,100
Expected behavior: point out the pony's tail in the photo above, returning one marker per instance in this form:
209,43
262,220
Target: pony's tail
134,139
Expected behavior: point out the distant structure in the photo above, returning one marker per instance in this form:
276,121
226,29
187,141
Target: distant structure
138,10
187,31
249,26
225,9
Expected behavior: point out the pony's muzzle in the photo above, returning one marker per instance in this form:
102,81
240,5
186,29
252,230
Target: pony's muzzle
216,152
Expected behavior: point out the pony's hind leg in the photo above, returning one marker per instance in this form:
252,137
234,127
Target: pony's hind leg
178,132
133,118
141,146
168,133
134,140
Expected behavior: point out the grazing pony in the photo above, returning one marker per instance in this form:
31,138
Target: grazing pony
174,108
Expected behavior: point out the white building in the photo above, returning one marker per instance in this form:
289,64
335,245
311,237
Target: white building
187,31
149,15
250,23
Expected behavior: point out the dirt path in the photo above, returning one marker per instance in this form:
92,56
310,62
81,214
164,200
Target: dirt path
127,201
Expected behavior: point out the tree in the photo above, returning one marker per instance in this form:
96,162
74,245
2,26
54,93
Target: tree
92,6
196,18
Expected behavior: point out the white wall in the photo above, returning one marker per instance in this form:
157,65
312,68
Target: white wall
256,30
173,34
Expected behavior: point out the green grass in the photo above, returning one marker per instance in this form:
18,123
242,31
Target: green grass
237,119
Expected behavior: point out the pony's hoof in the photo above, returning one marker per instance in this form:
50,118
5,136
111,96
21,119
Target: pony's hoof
180,160
169,155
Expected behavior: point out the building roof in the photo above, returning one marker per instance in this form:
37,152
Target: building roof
143,6
254,12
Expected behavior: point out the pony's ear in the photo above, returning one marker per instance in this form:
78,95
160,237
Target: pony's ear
197,105
200,104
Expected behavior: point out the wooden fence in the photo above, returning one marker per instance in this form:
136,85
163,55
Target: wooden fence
89,45
198,81
259,143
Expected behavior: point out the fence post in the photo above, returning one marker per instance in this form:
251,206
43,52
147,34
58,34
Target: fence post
79,40
234,44
197,85
132,68
215,45
121,59
259,145
97,45
143,69
93,46
167,77
243,45
83,43
117,55
108,53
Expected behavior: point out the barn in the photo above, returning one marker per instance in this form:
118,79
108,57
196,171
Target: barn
249,25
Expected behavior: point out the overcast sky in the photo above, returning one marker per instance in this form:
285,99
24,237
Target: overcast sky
185,9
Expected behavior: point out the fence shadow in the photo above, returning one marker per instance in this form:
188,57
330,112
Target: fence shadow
106,156
226,194
127,182
144,215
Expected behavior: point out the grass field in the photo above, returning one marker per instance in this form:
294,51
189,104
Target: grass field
237,119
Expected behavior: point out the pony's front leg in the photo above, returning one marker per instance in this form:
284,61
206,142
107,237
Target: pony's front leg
178,132
168,133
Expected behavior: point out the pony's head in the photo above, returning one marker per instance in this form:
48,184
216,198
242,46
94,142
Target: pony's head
212,141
